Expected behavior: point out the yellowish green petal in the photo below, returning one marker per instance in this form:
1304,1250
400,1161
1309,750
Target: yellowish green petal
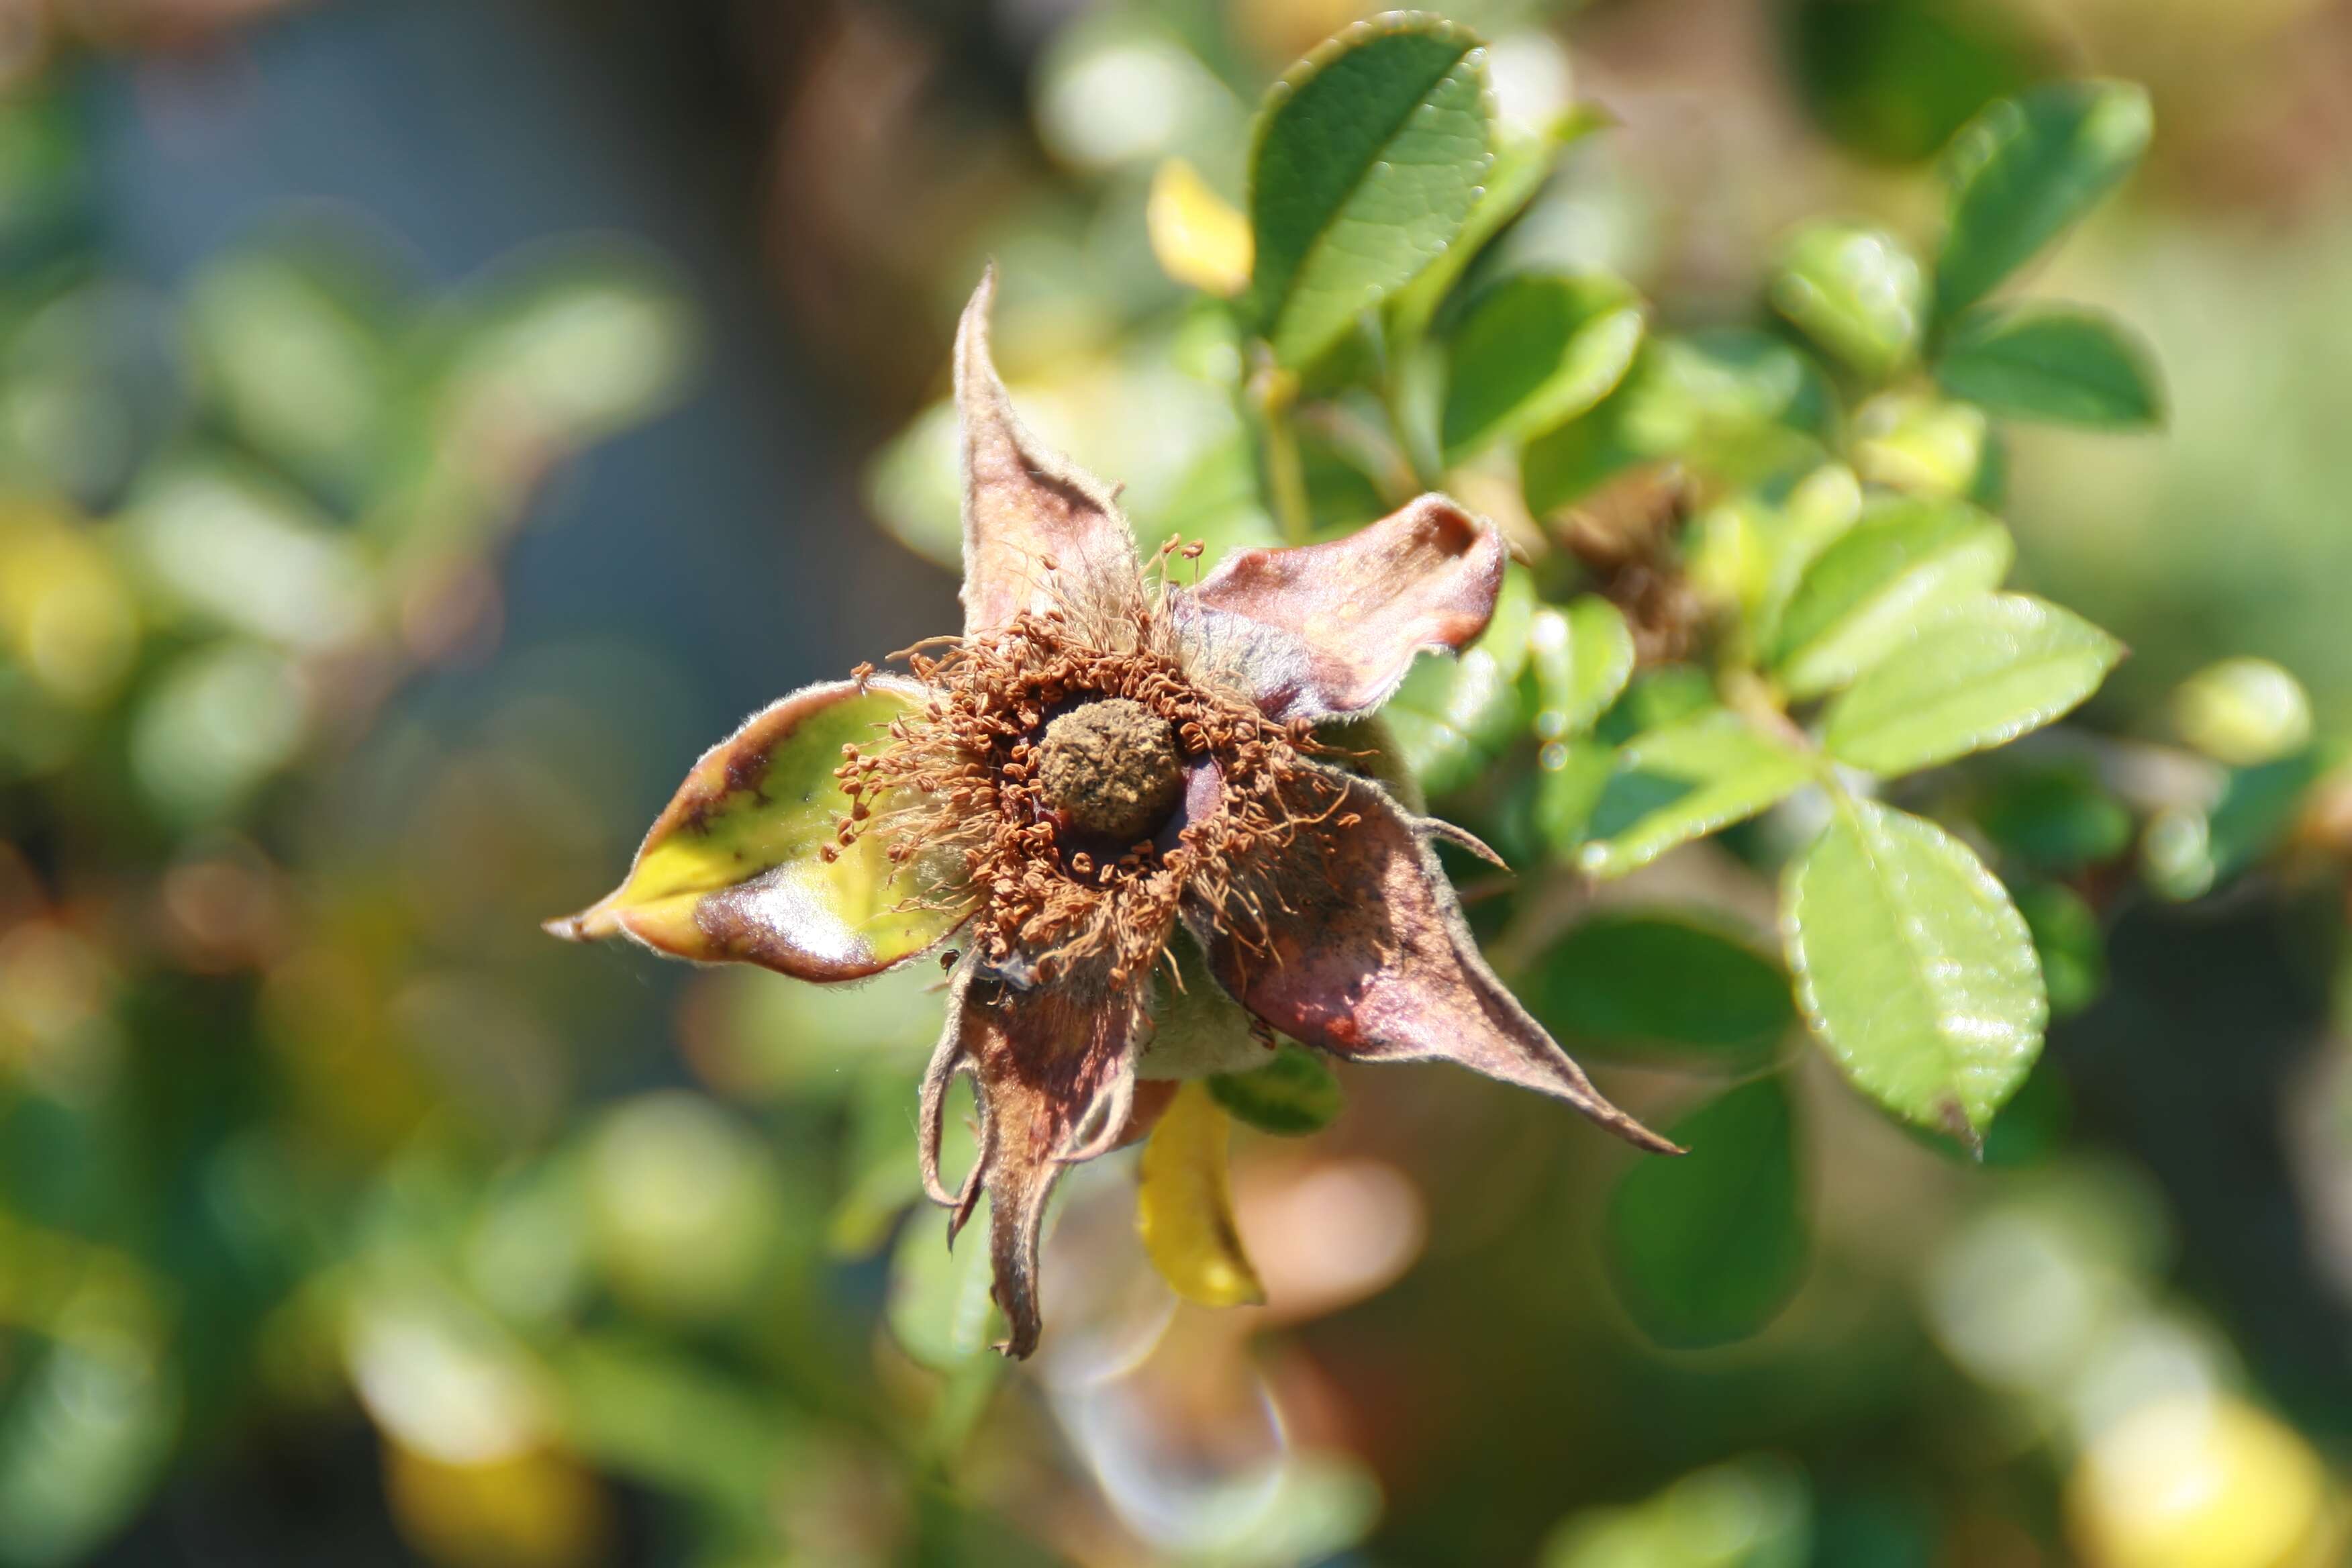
1185,1209
736,867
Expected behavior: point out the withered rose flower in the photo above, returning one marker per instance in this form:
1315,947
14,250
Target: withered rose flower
1131,803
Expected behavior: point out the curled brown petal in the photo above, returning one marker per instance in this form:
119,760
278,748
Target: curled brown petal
1039,532
1053,1073
1320,631
1353,943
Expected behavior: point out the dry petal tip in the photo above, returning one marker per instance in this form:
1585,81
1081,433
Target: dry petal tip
593,923
1463,838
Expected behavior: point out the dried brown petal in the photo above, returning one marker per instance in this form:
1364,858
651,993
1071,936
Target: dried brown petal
1039,533
1325,630
1363,953
1054,1072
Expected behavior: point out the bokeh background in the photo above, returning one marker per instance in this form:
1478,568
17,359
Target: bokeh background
425,424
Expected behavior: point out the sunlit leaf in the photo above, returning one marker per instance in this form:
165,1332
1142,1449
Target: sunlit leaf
1521,165
1368,160
939,1310
1184,1207
2057,363
1986,671
2025,169
1708,1248
1737,405
1453,716
1866,593
1856,291
1582,657
1683,782
1534,349
1646,982
1914,968
736,867
1292,1095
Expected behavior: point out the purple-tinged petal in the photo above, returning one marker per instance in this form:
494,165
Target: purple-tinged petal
1321,631
1053,1069
1351,940
735,870
1039,532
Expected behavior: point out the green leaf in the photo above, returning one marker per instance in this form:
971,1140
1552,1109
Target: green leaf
1914,968
1521,166
1856,291
1582,657
2026,168
2055,820
1864,595
1738,404
1683,782
1644,982
2056,363
1454,716
1293,1095
939,1310
2244,713
1709,1247
2072,947
1988,670
1533,351
1368,160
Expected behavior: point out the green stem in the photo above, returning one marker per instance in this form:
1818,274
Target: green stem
1273,394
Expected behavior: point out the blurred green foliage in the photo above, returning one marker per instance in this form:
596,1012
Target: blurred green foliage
294,1136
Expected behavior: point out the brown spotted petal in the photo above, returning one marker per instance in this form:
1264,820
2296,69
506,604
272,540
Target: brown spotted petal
735,868
1319,631
1053,1069
1038,531
1354,943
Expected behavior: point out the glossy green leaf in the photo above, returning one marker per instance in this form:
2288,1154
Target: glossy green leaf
1534,350
1989,670
2056,363
736,867
1454,716
2025,169
1865,594
1367,161
1652,982
1571,778
1740,405
1683,782
1582,657
1708,1248
1293,1095
1914,968
1856,291
1521,165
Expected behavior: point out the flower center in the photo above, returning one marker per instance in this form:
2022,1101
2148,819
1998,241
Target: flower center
1110,770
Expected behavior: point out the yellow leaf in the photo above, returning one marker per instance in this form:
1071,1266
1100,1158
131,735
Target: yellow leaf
1185,1210
1200,239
